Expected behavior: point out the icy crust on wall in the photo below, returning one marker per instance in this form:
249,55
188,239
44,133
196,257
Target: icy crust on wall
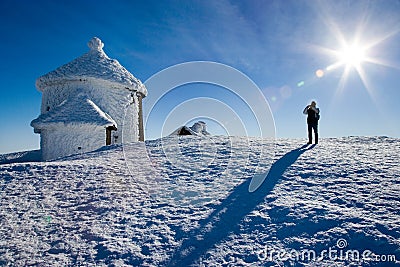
84,97
96,65
80,139
129,128
77,125
121,105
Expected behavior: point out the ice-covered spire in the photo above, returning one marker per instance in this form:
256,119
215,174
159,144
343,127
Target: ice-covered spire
94,64
96,44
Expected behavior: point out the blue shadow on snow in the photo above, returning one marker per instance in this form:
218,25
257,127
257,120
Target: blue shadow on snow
227,216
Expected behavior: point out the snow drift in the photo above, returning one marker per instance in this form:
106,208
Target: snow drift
113,208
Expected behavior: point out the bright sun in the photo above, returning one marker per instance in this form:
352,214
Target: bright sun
352,56
354,53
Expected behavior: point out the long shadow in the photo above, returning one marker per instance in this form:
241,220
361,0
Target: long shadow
227,216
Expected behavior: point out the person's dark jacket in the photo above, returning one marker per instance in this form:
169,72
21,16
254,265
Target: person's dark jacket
312,117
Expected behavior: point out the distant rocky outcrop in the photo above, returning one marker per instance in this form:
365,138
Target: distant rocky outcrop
198,128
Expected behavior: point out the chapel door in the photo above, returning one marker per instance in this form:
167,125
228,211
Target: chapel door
108,134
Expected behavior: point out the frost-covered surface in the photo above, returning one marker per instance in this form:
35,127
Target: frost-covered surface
77,110
71,140
95,64
78,98
23,156
77,125
121,105
121,206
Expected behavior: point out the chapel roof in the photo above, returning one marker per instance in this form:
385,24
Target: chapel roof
78,110
94,64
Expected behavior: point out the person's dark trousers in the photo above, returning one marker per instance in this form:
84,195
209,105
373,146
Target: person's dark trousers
312,127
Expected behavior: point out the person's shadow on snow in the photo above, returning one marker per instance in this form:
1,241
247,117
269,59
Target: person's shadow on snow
227,216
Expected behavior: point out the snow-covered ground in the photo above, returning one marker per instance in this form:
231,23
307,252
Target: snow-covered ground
182,201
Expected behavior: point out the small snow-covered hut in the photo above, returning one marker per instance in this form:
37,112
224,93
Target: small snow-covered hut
88,103
198,128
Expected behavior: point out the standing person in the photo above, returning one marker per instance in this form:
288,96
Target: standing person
312,113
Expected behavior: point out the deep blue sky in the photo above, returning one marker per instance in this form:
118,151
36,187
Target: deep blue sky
276,43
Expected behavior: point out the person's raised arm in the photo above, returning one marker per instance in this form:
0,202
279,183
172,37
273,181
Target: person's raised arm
305,110
315,109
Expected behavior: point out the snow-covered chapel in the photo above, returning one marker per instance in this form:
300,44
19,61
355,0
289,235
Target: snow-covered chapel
88,103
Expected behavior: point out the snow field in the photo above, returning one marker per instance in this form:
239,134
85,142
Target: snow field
139,205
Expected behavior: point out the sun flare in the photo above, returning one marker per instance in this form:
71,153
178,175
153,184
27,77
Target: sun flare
352,56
